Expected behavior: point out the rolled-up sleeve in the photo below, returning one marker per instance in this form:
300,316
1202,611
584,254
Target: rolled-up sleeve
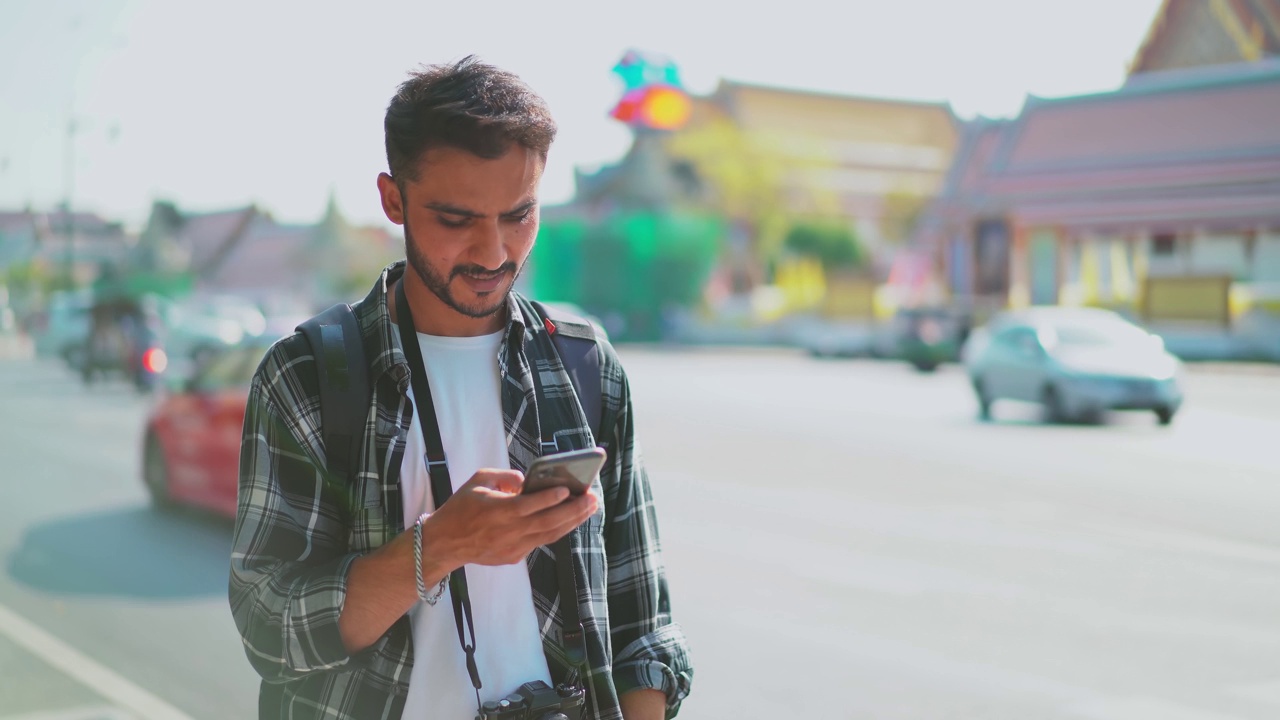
651,651
657,661
289,563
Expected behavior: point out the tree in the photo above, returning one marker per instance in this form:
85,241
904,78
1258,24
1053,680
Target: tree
830,243
756,181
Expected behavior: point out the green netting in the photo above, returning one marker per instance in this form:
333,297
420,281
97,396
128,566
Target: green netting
138,284
634,265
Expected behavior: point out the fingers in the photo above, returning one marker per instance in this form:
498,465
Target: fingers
495,523
508,481
560,519
534,503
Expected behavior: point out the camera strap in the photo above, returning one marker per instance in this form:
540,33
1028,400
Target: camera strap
442,490
438,470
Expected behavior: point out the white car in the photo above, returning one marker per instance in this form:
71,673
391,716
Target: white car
1078,363
200,327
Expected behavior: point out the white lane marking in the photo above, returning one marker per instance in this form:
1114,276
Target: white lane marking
1268,692
62,656
96,712
1138,708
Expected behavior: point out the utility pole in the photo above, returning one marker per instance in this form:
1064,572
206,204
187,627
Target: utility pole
69,178
69,184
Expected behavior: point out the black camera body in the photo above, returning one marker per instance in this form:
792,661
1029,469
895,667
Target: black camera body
537,701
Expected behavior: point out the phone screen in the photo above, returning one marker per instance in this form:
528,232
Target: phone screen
574,470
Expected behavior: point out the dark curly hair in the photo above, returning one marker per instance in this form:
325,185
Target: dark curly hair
467,105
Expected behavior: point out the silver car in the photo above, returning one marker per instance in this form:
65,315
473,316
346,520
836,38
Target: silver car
1078,363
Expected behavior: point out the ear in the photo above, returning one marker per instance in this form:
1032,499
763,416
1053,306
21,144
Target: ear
392,201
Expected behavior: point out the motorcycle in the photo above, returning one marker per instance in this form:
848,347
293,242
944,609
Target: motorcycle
123,341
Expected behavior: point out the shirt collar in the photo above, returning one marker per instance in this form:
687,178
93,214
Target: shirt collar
382,336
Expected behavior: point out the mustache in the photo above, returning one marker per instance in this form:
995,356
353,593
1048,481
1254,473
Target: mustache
479,271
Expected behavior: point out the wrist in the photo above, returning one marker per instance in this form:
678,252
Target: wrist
438,557
429,597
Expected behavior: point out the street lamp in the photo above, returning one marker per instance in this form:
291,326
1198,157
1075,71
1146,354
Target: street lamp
69,185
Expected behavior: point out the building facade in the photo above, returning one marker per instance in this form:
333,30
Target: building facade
247,252
77,245
1172,180
1196,33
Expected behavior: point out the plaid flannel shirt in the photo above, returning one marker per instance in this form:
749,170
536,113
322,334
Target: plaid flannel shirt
298,529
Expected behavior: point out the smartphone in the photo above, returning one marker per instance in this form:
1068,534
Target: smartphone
575,470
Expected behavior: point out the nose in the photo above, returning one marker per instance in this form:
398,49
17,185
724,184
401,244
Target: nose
488,248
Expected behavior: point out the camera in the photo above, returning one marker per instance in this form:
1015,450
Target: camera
537,701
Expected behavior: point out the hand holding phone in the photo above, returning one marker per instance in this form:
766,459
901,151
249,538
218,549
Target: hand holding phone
574,470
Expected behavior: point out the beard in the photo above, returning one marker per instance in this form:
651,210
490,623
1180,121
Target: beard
439,283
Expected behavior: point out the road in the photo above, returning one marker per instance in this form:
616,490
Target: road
844,539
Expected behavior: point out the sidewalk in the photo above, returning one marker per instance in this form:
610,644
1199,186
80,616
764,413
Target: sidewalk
16,347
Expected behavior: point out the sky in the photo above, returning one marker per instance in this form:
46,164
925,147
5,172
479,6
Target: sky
216,105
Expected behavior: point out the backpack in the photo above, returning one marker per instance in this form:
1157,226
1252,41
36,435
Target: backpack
335,339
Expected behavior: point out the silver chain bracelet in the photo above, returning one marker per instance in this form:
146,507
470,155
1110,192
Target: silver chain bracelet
434,597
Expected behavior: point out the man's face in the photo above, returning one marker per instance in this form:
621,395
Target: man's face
469,224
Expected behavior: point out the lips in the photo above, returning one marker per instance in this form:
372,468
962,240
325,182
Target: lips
483,284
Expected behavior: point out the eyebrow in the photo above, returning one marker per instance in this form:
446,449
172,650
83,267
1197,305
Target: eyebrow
448,209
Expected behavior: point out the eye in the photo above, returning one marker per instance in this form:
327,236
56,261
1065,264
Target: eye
521,218
451,223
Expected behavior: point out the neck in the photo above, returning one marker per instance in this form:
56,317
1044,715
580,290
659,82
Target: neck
431,316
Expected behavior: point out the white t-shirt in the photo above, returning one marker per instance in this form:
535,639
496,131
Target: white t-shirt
466,390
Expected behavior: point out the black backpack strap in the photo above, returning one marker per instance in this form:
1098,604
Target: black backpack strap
575,341
335,339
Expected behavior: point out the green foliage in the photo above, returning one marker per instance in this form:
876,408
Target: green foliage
25,278
117,283
834,245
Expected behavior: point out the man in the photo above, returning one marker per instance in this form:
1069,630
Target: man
325,587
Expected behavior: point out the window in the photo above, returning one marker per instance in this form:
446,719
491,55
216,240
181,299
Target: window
1021,340
1164,245
1098,334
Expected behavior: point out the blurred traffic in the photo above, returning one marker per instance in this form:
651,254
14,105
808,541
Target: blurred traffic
191,440
143,338
987,395
1077,363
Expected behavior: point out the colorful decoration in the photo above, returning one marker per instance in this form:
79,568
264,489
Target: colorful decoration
653,97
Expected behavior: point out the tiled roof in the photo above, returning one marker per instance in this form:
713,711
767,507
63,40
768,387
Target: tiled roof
1180,26
851,118
88,226
16,222
1147,123
207,236
1177,149
268,255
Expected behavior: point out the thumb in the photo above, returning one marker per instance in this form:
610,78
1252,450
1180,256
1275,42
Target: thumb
508,481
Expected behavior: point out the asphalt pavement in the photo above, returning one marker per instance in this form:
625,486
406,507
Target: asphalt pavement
844,539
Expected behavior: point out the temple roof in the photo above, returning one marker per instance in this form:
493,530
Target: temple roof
1183,146
1188,126
1188,33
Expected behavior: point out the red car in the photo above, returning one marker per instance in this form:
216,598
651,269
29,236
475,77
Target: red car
191,448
